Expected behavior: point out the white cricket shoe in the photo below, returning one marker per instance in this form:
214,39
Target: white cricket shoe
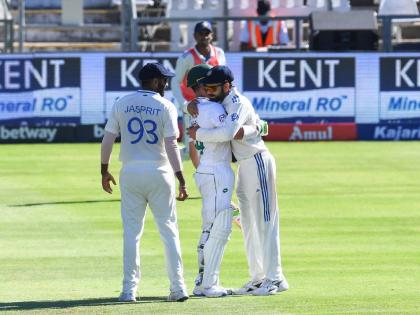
127,297
178,296
198,291
269,287
247,288
215,291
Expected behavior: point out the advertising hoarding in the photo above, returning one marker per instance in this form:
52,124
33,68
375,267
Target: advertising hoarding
304,96
40,90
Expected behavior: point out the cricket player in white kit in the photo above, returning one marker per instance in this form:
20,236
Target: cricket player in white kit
147,123
215,180
256,188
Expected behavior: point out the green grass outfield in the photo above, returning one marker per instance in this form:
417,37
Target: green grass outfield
350,234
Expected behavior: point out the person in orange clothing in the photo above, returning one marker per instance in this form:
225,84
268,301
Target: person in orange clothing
265,32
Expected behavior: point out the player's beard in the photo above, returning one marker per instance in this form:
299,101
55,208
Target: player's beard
219,98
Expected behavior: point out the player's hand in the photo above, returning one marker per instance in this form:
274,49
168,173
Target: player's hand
263,128
182,193
192,108
240,134
106,179
192,131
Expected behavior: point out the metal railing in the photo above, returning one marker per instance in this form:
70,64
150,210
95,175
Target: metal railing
7,21
136,22
128,14
387,28
298,19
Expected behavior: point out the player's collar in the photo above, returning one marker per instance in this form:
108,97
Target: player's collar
147,91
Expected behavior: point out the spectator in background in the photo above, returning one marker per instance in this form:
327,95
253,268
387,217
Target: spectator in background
265,32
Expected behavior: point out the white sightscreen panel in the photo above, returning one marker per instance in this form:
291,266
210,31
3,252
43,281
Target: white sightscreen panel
367,88
93,110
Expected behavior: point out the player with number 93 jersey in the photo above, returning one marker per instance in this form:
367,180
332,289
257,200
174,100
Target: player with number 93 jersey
141,125
150,157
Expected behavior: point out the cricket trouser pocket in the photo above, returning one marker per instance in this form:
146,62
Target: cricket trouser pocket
256,186
216,187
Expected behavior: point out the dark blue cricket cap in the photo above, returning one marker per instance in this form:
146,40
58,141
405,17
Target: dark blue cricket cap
204,25
217,75
154,70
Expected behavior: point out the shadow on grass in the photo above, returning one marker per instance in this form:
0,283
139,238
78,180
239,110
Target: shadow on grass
192,198
39,305
63,202
75,202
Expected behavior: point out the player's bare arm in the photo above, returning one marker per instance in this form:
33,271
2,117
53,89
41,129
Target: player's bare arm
192,108
195,158
192,131
240,134
182,190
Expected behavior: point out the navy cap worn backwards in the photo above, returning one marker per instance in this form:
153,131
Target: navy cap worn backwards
217,75
154,70
205,25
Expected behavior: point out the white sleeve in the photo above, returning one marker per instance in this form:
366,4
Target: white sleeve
227,132
218,117
170,128
181,68
106,146
174,156
112,124
250,132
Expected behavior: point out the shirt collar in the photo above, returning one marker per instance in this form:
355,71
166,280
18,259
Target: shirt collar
147,91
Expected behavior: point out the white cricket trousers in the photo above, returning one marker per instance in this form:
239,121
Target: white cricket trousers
144,183
216,184
257,196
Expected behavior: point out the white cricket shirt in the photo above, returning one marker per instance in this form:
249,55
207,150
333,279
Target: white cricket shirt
240,112
211,115
143,119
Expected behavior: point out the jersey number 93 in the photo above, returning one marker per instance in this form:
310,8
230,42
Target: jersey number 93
138,128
